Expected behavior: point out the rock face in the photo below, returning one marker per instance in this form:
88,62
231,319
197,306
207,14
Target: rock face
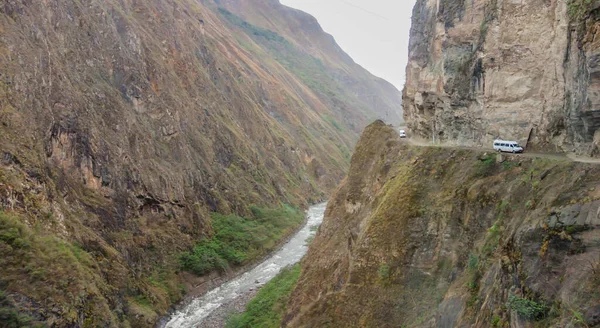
123,124
518,70
433,237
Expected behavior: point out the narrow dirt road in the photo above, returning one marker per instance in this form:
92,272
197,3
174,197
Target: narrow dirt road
554,156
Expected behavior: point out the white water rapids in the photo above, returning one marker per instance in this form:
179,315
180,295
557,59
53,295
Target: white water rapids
197,310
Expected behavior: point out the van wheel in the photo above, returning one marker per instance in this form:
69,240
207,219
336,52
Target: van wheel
514,152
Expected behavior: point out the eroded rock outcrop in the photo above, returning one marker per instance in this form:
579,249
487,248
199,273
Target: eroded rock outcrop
523,70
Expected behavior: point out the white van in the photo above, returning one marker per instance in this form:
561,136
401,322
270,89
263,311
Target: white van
402,134
507,146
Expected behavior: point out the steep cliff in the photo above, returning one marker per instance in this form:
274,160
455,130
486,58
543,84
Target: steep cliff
433,237
522,70
123,124
327,70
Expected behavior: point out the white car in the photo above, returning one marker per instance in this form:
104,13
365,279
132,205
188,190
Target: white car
402,134
507,146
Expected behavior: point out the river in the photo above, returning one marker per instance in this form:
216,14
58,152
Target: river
192,315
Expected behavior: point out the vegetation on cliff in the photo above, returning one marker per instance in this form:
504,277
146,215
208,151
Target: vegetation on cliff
579,8
238,240
480,240
52,273
126,126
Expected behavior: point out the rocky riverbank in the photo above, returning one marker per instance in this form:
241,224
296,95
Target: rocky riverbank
235,294
218,317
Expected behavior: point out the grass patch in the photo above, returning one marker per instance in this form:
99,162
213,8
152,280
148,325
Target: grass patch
578,318
334,123
579,8
477,262
266,309
309,240
492,239
473,261
251,29
164,281
475,268
50,271
383,273
496,321
507,165
238,240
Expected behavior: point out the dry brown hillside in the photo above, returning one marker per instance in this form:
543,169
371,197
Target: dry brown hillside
124,124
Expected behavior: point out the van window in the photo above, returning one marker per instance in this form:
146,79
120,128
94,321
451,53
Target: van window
502,145
496,144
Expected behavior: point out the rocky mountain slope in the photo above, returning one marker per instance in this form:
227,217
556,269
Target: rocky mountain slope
518,70
123,124
435,237
337,72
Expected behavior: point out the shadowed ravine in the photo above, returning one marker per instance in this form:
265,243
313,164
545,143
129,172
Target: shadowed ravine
194,313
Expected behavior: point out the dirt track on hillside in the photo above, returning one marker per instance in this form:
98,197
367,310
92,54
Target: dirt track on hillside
553,156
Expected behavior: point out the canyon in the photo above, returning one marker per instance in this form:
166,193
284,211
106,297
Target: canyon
154,149
439,237
459,236
125,126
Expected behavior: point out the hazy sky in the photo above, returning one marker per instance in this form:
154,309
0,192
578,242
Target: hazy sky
373,32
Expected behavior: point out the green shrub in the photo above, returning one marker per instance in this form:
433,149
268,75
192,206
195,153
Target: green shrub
237,240
266,309
12,233
45,268
496,321
486,166
473,286
472,301
507,165
383,272
473,261
10,317
526,308
579,8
